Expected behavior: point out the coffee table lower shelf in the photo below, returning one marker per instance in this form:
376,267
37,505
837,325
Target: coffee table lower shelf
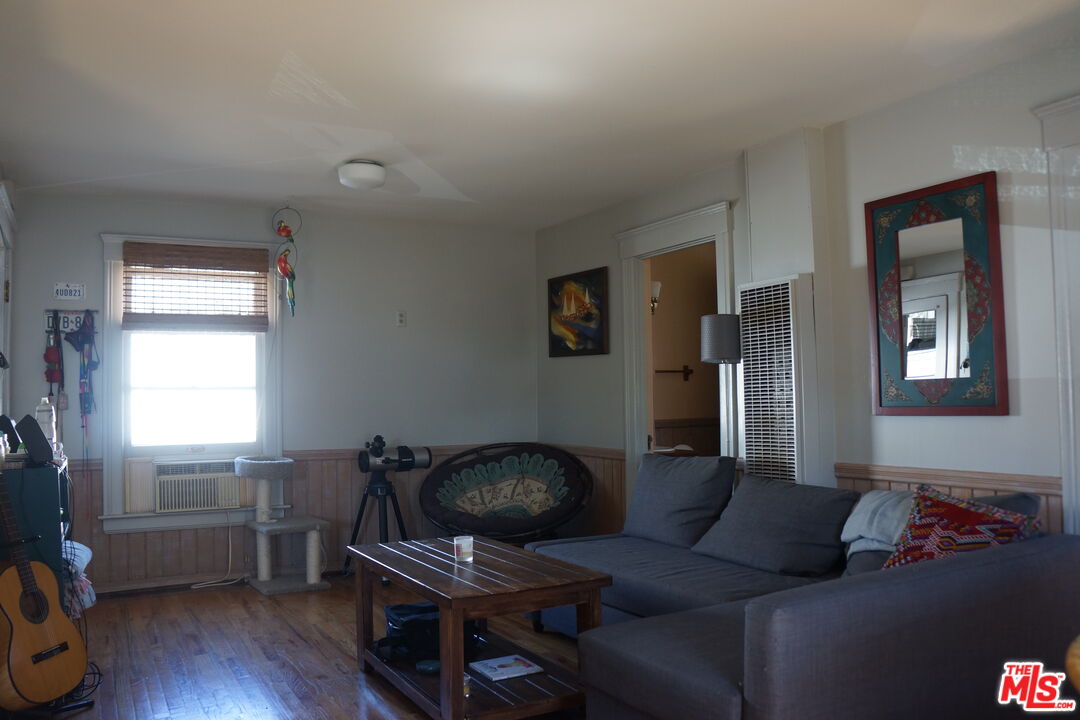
521,697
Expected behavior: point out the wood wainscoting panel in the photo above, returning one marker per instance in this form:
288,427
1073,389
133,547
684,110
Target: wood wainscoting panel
702,434
127,561
326,484
959,483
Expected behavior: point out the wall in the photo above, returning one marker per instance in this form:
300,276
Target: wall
982,123
463,370
781,236
788,236
581,399
688,292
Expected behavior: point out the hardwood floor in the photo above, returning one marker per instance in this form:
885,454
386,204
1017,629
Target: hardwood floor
233,653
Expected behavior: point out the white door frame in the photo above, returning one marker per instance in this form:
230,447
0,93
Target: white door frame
1061,139
7,244
696,227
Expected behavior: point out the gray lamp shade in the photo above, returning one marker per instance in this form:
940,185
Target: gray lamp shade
720,339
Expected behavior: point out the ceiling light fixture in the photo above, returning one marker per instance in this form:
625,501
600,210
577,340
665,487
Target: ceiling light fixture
362,174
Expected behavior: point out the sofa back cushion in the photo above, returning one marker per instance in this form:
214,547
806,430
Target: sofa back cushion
676,499
781,527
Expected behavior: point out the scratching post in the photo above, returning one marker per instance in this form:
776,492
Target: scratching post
262,557
265,471
262,499
313,557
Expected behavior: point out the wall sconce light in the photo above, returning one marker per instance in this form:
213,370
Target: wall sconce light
654,299
720,339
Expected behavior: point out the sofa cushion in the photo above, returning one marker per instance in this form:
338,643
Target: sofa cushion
941,525
866,561
676,499
781,527
650,578
1023,503
683,666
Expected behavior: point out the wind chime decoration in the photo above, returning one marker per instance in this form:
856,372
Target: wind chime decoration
286,253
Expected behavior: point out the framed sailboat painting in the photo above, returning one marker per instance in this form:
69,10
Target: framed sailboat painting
578,314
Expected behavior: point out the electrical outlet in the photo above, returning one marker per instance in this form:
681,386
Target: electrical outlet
400,319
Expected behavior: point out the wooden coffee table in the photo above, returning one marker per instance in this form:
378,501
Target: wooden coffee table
502,579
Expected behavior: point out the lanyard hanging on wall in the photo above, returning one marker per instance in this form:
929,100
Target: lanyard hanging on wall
83,340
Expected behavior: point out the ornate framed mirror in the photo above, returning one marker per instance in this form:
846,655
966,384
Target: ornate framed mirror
937,324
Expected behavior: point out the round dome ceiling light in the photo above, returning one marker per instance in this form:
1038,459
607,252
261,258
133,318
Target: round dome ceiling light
362,174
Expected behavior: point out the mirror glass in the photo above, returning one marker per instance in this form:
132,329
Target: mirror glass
933,301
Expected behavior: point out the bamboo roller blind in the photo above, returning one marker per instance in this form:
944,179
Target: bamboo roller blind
195,287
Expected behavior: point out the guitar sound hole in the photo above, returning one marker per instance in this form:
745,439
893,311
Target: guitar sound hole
34,606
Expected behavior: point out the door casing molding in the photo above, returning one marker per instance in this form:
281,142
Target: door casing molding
711,223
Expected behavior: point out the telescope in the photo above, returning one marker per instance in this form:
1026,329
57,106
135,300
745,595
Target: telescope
376,459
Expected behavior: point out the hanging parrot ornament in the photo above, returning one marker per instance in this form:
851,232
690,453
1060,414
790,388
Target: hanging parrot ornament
284,267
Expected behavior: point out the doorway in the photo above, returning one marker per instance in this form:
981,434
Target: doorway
709,225
683,393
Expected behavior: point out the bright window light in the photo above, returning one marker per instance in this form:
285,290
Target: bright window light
192,388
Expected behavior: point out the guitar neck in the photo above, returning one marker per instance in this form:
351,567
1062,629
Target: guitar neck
11,535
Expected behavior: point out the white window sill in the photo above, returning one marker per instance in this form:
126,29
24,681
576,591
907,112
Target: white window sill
160,522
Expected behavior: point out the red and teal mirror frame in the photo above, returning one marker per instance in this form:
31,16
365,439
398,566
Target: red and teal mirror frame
937,320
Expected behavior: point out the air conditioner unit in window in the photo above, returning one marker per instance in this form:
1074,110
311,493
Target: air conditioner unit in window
205,485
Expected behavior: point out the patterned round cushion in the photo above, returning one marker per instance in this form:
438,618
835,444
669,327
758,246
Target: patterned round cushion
508,491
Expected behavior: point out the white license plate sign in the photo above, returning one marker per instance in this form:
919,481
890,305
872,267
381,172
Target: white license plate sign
69,320
69,291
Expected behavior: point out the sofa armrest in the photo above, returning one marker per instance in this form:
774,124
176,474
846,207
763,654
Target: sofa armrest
926,640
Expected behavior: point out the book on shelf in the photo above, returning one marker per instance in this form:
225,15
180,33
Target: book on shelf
503,668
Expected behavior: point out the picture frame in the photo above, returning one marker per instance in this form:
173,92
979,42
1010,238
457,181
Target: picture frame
971,379
577,314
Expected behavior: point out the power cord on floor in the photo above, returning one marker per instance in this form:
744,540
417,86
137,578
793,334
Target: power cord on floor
228,570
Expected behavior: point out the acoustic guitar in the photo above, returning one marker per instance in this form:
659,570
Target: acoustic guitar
42,655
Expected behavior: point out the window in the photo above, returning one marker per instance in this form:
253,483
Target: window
190,325
193,318
191,388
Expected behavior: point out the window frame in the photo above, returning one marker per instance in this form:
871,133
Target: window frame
113,408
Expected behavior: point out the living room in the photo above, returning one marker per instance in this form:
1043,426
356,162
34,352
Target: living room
420,309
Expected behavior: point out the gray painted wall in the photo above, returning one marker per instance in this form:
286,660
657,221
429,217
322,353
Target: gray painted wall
581,399
463,370
982,123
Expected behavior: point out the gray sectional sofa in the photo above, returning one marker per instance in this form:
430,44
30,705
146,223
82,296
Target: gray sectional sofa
742,605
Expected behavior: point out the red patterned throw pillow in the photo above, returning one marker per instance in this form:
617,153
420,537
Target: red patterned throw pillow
941,525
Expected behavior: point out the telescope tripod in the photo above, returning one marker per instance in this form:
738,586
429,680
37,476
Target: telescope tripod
379,488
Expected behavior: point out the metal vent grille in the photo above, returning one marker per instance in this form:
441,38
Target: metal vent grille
768,373
184,486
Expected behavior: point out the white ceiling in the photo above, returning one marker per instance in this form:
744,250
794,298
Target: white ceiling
503,112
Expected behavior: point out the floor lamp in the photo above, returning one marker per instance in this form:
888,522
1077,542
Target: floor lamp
720,342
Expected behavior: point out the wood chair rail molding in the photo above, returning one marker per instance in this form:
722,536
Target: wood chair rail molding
960,483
